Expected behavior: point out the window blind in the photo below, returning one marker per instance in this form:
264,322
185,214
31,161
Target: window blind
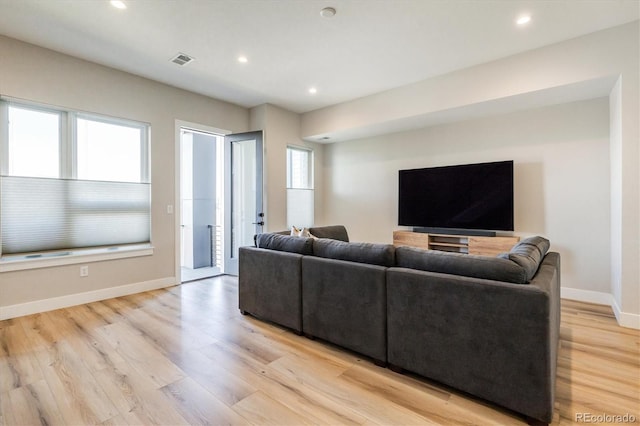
300,207
40,214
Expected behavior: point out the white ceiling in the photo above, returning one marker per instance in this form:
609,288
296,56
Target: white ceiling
369,46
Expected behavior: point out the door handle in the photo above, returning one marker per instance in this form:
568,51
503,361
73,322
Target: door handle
261,223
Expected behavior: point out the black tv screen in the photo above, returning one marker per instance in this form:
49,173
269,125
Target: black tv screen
470,196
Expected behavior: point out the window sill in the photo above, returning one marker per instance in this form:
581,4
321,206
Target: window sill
71,257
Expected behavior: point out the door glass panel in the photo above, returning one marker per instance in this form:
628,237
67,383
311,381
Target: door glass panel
243,195
243,189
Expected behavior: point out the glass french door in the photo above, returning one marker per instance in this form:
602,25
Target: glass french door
243,194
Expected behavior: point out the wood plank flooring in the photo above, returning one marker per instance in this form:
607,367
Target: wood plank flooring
185,355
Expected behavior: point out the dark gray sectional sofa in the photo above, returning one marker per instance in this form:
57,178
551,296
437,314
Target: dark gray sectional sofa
486,326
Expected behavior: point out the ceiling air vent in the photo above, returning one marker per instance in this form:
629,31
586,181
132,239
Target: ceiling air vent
182,59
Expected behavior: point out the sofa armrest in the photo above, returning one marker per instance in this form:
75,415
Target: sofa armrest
492,339
269,285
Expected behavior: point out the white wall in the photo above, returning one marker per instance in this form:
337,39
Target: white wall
281,129
561,161
41,75
603,63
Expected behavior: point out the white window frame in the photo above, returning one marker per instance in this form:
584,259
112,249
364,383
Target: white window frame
4,135
310,167
68,170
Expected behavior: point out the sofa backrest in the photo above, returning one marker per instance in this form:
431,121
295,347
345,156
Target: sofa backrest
287,243
334,232
374,254
484,267
518,266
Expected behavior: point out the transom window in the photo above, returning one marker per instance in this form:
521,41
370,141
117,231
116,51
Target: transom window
33,142
110,151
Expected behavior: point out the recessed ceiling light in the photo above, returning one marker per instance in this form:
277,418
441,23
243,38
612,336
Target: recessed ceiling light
313,90
524,19
328,12
118,4
243,59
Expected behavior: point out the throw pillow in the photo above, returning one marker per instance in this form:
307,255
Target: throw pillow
308,234
304,232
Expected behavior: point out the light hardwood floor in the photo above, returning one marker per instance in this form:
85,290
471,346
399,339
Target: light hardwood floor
185,355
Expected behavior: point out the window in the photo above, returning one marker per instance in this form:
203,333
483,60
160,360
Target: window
102,144
299,168
71,180
300,192
34,142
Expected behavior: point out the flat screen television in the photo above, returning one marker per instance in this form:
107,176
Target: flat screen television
462,197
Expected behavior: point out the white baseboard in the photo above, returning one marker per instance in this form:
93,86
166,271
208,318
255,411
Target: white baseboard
588,296
44,305
624,319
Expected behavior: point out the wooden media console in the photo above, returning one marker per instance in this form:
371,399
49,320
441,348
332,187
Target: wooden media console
467,244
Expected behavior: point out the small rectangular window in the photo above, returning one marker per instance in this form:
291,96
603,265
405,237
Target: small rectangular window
109,151
299,168
300,193
34,142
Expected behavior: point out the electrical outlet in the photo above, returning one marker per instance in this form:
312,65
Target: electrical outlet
84,271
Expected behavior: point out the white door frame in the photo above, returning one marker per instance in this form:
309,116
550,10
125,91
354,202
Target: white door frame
175,208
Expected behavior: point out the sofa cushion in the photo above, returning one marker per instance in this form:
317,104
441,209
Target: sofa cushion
334,232
288,243
528,254
374,254
484,267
